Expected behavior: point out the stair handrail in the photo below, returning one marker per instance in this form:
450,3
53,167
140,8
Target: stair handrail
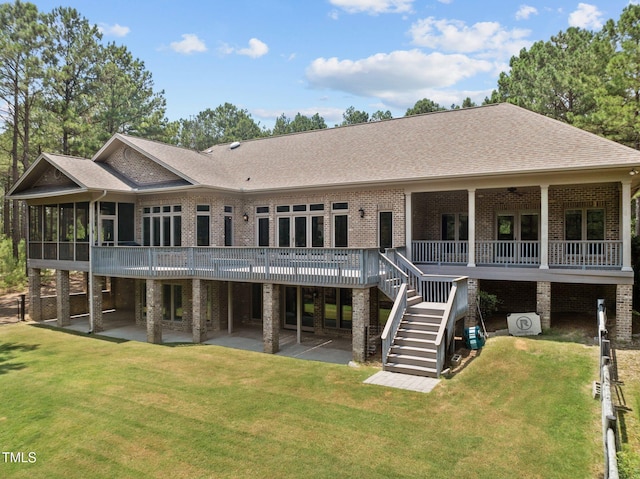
457,305
394,320
387,282
411,270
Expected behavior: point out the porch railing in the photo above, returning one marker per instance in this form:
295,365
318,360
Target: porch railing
572,254
585,254
310,266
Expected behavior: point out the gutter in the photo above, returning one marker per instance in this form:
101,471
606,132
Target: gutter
92,225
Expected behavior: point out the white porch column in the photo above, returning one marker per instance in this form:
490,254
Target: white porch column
472,228
408,224
626,225
544,226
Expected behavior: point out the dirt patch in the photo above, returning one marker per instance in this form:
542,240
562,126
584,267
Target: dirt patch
9,301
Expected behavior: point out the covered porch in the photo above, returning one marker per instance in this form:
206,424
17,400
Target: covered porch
560,226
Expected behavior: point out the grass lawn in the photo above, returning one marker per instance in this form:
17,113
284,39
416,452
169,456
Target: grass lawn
91,408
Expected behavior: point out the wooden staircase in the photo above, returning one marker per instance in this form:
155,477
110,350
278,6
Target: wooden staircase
413,350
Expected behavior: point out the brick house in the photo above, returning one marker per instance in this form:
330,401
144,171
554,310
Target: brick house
380,229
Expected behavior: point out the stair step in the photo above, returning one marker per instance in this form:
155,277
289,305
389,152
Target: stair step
421,322
413,300
414,351
413,370
405,359
423,307
415,342
413,333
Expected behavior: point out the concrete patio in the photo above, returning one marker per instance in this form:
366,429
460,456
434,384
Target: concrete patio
311,347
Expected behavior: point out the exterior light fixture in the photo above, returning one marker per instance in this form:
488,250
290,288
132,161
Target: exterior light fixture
361,212
245,217
633,172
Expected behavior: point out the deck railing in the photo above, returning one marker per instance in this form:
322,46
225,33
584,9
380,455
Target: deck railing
432,288
305,266
393,321
571,254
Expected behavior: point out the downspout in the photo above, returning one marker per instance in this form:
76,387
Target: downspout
92,221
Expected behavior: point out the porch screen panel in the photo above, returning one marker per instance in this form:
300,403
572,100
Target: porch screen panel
463,227
50,232
35,232
82,231
67,231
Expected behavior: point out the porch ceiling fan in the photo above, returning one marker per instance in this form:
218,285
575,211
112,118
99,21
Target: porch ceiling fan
514,191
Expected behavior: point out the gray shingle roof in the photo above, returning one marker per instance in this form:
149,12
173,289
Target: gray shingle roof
494,139
483,141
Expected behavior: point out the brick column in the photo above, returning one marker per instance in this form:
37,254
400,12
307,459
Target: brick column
216,305
35,284
360,322
138,303
543,303
62,298
154,311
98,283
624,305
199,319
271,318
473,287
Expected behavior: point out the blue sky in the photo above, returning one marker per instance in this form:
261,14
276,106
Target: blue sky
289,56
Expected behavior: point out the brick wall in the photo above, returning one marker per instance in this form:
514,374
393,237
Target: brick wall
581,298
514,296
138,168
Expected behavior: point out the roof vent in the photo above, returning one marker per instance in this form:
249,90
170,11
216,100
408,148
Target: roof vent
234,145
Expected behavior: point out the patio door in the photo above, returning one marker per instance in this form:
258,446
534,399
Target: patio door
518,236
107,231
298,300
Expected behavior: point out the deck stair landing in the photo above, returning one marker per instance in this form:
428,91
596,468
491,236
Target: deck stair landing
414,350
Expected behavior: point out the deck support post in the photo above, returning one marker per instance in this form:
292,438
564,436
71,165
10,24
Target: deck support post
199,316
154,311
543,303
271,318
360,323
62,298
35,285
544,227
96,293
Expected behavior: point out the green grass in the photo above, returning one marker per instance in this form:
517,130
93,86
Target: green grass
93,408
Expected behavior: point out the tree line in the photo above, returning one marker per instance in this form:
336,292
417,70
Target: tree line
63,91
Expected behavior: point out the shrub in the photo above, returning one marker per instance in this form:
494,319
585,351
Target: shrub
628,465
488,303
12,270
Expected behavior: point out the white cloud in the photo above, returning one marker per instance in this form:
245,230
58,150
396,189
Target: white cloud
373,7
113,30
487,38
397,78
189,44
256,49
525,11
446,2
586,16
